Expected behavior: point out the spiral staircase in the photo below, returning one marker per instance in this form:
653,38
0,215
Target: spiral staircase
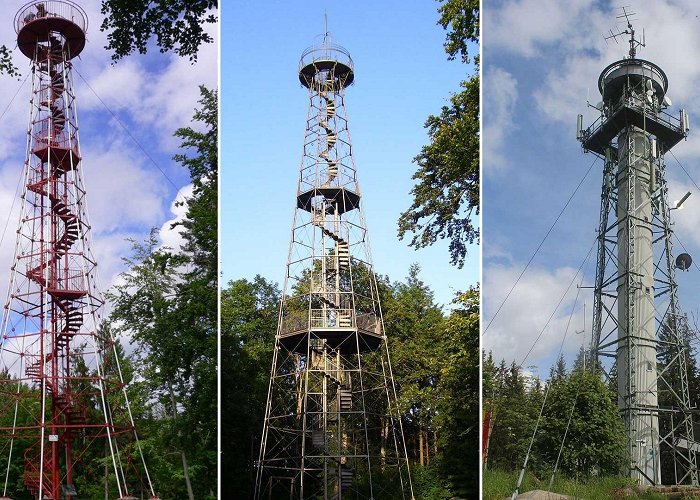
64,286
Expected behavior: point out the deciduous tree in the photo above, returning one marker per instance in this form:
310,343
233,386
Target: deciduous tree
446,195
177,25
167,302
248,324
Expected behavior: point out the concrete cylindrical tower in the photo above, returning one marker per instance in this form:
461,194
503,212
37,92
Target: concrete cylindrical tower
635,269
636,356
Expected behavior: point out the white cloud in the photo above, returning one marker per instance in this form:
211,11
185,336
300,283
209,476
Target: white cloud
526,313
578,52
126,194
120,86
123,190
170,236
499,103
161,99
494,251
555,52
523,26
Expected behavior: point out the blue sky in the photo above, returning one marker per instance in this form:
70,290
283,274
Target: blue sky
401,77
152,95
541,63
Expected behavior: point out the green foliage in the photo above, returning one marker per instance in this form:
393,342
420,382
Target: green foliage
499,484
516,411
167,302
458,407
176,24
248,324
446,196
201,225
427,484
412,321
6,64
595,441
462,19
435,368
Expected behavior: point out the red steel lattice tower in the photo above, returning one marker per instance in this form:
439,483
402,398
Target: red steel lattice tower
59,365
333,427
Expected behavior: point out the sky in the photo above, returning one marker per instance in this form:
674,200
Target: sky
151,95
541,60
402,75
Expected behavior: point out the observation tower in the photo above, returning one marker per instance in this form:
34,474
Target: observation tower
640,337
332,427
66,427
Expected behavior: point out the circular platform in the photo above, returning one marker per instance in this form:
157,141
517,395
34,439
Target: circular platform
345,340
633,72
343,199
326,57
36,21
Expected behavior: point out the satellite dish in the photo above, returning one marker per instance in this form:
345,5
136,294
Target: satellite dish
667,101
683,261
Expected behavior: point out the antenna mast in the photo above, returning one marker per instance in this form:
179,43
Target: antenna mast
639,336
634,43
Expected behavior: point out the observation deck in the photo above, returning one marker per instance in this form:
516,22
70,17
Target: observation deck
36,21
633,92
326,58
348,332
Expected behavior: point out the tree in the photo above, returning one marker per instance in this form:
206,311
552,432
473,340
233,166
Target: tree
414,327
462,17
248,324
558,370
167,301
446,197
178,25
595,441
436,367
6,64
458,405
516,413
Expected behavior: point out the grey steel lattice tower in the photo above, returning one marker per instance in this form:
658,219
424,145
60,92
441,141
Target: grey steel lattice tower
332,426
639,335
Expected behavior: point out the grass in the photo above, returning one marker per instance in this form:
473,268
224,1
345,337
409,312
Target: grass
498,485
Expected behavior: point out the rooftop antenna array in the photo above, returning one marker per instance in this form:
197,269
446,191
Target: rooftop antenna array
634,43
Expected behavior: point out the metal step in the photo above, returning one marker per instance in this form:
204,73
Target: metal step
318,438
344,321
345,398
346,477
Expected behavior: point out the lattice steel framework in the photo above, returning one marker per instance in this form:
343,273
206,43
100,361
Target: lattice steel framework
332,429
64,408
639,335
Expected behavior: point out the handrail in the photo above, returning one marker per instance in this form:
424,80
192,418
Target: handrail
64,9
326,52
